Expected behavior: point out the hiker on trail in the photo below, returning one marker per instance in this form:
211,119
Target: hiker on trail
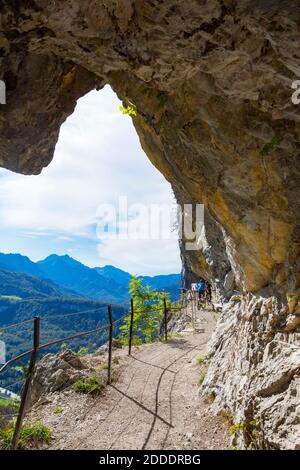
184,296
201,289
194,289
208,293
194,286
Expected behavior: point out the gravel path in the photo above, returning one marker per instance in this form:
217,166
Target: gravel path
155,404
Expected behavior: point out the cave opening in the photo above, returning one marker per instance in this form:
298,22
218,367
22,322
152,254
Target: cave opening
98,159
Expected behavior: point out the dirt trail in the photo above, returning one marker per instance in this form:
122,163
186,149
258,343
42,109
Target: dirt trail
155,403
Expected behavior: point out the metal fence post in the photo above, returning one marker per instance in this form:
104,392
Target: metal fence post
165,320
131,327
110,338
36,342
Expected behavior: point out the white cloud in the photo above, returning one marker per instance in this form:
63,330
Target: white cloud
98,158
141,256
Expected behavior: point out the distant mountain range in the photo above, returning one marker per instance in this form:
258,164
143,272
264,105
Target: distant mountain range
70,277
61,285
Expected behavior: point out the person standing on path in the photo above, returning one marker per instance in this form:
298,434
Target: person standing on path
194,289
208,296
201,289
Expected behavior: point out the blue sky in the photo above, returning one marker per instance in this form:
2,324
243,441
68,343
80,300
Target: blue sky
97,159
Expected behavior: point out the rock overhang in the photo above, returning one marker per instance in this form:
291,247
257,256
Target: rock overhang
211,81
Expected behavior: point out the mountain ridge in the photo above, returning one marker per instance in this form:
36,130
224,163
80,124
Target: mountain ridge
107,283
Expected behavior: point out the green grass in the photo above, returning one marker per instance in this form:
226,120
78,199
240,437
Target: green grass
30,434
58,410
200,360
201,379
93,385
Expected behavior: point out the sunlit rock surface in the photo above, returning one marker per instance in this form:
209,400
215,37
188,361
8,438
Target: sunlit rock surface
254,374
211,81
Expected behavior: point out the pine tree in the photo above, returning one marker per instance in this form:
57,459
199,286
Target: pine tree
148,313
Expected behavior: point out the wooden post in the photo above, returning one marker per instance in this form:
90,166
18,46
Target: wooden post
22,409
131,327
165,320
110,338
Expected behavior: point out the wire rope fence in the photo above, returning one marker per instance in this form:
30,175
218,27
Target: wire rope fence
38,344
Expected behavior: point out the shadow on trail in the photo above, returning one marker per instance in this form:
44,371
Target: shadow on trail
156,416
150,364
194,348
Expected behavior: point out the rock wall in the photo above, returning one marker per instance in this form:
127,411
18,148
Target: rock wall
254,375
211,82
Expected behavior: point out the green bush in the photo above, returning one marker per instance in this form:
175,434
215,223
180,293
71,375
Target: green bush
93,385
82,351
30,434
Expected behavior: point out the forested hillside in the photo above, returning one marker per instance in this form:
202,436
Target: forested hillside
108,283
59,319
25,286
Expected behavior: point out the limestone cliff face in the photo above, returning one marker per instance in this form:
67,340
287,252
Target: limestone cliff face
211,81
254,374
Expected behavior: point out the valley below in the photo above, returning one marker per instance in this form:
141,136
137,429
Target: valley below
68,297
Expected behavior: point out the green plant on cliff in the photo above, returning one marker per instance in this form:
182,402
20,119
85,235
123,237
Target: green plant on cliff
201,379
200,360
82,351
148,313
93,385
250,430
276,140
236,427
129,110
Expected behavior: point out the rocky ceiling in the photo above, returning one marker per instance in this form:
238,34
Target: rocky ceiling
211,82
